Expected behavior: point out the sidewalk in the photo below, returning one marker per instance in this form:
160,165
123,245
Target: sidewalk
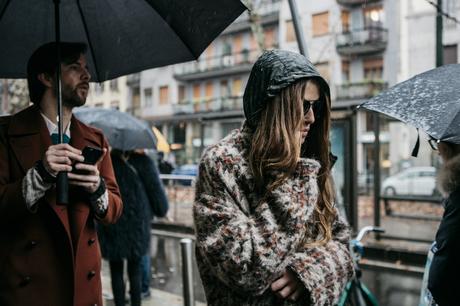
158,298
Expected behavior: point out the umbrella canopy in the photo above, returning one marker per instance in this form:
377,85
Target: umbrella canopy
123,131
429,101
162,143
123,36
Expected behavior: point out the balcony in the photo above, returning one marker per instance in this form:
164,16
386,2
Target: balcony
217,105
267,10
133,80
212,67
356,2
353,94
363,41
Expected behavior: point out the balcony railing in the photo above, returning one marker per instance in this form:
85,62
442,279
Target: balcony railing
232,103
133,79
245,57
361,90
356,2
368,40
266,7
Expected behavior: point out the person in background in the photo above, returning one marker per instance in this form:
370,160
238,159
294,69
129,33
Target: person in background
158,200
267,229
49,253
129,239
445,266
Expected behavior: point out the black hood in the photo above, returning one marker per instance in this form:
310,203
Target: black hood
273,71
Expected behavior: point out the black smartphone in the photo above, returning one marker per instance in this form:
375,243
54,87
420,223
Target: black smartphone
91,156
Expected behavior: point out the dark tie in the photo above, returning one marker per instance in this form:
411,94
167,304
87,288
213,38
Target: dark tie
55,138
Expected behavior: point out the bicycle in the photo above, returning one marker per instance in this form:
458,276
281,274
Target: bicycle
355,292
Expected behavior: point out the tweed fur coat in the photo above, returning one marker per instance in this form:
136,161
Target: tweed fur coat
246,241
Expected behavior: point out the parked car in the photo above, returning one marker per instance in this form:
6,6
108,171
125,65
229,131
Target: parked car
420,181
189,170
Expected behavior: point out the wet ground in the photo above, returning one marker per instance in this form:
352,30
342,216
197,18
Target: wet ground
391,288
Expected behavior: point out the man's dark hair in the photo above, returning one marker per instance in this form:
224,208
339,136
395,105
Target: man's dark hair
43,60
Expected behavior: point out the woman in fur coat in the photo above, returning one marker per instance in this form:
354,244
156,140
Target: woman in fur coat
445,267
268,232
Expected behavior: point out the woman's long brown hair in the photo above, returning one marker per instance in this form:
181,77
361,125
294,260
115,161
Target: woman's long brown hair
276,147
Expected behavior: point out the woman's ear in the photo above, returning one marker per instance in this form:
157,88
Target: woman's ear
46,79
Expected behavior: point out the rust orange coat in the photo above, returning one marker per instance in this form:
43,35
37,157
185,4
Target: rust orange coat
50,257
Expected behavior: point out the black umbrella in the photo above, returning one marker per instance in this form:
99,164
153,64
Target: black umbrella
429,101
123,36
123,131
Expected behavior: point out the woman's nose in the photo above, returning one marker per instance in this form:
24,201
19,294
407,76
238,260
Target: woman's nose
310,116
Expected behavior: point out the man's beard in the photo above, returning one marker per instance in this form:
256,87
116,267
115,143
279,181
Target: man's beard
70,97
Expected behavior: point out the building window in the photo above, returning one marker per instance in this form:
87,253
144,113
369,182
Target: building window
320,24
345,16
115,104
148,97
181,93
237,88
323,69
270,39
197,92
373,17
345,71
373,68
450,54
114,85
164,94
99,104
290,32
99,88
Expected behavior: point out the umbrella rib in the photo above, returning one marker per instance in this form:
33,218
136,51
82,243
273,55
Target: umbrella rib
190,50
4,8
90,45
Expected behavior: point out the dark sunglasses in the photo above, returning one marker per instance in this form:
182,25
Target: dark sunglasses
433,143
315,105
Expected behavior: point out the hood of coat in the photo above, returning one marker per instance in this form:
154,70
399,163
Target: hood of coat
449,176
273,71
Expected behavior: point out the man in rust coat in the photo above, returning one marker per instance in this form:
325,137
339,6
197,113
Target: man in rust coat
49,253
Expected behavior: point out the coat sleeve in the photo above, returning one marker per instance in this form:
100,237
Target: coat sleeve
115,205
324,270
150,176
248,252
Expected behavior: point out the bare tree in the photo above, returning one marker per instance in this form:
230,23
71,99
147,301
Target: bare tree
255,21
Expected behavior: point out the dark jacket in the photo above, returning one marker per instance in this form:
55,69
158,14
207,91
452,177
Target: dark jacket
445,268
150,177
130,237
51,257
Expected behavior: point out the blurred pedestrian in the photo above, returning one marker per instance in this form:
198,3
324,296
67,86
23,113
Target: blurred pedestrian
268,232
445,266
49,253
129,239
158,200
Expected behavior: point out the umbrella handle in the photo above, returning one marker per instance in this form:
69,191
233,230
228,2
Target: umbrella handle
62,189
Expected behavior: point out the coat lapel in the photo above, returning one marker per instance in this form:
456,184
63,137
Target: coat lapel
29,137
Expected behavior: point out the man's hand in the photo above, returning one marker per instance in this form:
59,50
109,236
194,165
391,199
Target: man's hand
60,157
90,181
288,286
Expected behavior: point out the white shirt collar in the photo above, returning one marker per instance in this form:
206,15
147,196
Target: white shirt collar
53,128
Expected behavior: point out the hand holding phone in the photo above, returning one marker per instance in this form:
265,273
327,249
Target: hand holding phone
91,156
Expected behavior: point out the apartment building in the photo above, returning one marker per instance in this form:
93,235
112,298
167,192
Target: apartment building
196,103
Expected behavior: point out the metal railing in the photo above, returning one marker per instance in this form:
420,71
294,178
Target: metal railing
360,37
229,103
356,2
360,90
204,64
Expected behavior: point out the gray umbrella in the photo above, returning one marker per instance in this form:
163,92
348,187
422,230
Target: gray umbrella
123,131
429,101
